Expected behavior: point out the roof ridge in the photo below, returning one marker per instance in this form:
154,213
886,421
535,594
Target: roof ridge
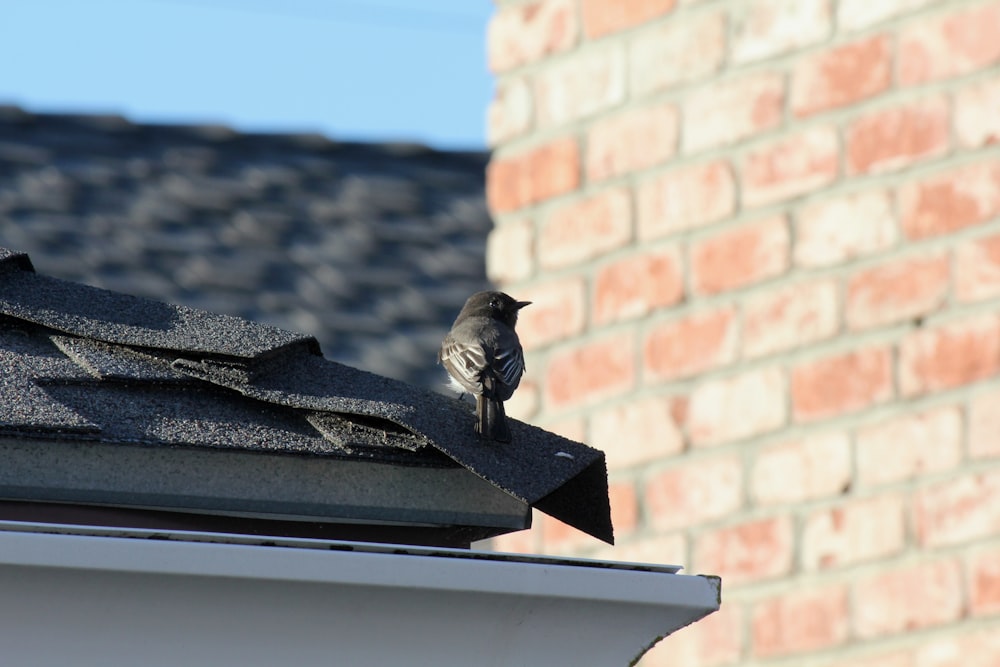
217,133
123,319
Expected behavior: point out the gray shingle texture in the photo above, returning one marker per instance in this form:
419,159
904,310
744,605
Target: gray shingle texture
370,248
84,363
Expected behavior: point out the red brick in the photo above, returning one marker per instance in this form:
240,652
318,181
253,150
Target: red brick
520,542
727,112
668,53
841,76
558,538
984,425
977,269
800,621
984,582
585,228
740,256
691,345
949,201
524,33
510,111
679,408
694,493
958,511
909,446
841,384
601,17
853,532
638,285
684,199
908,598
715,640
897,290
817,466
637,432
751,551
510,251
792,166
765,28
977,120
630,141
979,649
624,507
572,88
529,177
837,230
737,407
859,14
590,371
789,316
945,46
949,356
557,312
897,137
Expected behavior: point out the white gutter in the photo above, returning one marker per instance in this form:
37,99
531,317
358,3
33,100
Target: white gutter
105,600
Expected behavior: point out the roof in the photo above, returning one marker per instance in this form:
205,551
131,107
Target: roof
108,398
370,248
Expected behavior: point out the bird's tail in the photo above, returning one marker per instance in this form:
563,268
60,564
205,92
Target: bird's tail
491,420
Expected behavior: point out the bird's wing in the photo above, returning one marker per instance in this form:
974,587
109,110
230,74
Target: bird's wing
465,363
508,366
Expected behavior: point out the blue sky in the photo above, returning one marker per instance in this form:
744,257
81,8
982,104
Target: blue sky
376,70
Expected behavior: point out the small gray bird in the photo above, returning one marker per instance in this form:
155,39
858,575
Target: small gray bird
483,356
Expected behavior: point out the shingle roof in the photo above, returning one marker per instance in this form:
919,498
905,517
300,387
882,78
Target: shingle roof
371,248
82,364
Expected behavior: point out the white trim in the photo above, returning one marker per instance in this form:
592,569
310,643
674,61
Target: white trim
135,597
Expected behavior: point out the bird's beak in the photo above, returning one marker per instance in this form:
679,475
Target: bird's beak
521,304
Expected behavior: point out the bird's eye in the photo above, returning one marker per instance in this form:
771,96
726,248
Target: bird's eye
495,304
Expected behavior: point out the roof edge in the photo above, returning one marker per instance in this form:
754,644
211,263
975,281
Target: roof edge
583,502
12,260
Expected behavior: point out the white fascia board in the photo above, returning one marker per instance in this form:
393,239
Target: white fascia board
88,599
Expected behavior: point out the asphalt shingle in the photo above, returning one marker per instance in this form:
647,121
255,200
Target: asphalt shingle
84,363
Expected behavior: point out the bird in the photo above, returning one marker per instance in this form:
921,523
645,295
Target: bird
483,357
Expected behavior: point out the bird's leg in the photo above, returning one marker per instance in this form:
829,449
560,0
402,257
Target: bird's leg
461,397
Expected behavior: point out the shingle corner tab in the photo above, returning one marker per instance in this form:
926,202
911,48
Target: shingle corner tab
565,479
11,260
583,502
105,361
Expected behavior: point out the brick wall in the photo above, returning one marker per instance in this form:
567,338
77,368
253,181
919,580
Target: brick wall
763,241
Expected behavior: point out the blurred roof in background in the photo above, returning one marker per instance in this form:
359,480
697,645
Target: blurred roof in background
371,248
